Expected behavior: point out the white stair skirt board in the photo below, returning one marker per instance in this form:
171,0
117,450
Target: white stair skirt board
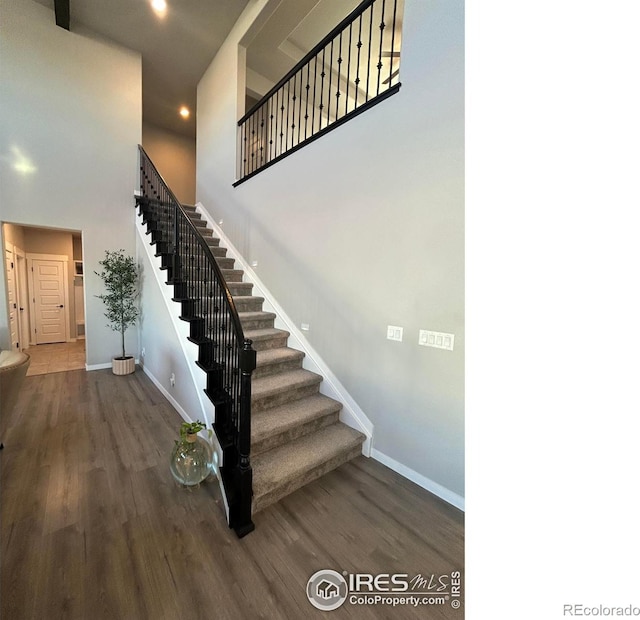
422,481
351,414
189,350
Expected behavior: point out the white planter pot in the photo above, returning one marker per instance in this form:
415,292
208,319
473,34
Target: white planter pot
124,366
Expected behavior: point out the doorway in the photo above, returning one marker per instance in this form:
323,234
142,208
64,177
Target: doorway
44,272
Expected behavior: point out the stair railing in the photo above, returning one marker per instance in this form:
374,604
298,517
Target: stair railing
223,352
353,68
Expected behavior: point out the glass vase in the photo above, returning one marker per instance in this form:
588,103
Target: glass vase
191,460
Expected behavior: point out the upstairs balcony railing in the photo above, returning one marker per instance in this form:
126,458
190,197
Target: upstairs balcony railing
352,69
224,354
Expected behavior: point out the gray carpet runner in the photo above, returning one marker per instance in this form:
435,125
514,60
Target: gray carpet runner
296,435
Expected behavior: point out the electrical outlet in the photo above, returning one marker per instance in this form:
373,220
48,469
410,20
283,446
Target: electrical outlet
172,379
142,352
304,327
394,333
437,340
254,263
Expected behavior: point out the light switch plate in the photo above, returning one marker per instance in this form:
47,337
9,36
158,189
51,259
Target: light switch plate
437,340
394,333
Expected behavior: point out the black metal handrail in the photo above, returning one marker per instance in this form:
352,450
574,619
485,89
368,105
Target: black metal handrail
306,103
223,351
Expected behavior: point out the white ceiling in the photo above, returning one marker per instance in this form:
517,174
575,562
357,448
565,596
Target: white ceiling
176,50
294,28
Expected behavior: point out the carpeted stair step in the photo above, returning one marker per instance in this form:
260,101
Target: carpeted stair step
279,425
218,252
256,320
240,289
225,263
248,304
281,388
268,338
207,235
279,472
232,275
272,361
197,221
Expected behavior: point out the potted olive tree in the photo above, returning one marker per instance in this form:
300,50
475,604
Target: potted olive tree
120,277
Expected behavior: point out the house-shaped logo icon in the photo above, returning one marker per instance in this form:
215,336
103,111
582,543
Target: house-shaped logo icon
326,590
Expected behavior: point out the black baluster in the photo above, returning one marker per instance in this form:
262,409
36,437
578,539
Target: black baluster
293,109
369,52
379,65
339,75
330,79
282,121
306,103
315,81
300,106
322,75
270,106
346,97
393,37
357,80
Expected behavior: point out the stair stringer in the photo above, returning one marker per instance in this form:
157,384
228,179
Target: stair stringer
190,352
351,414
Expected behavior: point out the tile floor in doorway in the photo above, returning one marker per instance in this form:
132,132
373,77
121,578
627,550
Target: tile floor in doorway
57,357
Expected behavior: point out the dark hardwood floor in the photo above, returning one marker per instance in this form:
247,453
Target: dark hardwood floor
93,526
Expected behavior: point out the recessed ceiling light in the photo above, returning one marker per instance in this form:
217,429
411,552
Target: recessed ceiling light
159,6
184,111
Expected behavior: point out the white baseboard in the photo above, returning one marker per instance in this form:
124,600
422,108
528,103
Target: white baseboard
97,366
174,403
422,481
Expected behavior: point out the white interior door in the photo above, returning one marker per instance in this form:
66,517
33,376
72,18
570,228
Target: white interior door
49,294
13,300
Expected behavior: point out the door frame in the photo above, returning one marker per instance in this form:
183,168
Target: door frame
24,316
31,256
9,249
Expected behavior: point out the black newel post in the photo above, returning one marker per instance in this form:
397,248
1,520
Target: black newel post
242,522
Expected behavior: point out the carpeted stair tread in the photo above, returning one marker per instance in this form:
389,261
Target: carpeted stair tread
232,275
278,356
281,470
279,424
264,387
254,315
267,338
277,359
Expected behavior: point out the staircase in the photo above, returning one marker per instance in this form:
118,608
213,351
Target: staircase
296,435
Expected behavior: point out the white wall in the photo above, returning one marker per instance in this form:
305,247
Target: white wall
163,354
175,158
71,115
365,228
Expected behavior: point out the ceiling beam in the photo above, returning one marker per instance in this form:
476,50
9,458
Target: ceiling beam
63,13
